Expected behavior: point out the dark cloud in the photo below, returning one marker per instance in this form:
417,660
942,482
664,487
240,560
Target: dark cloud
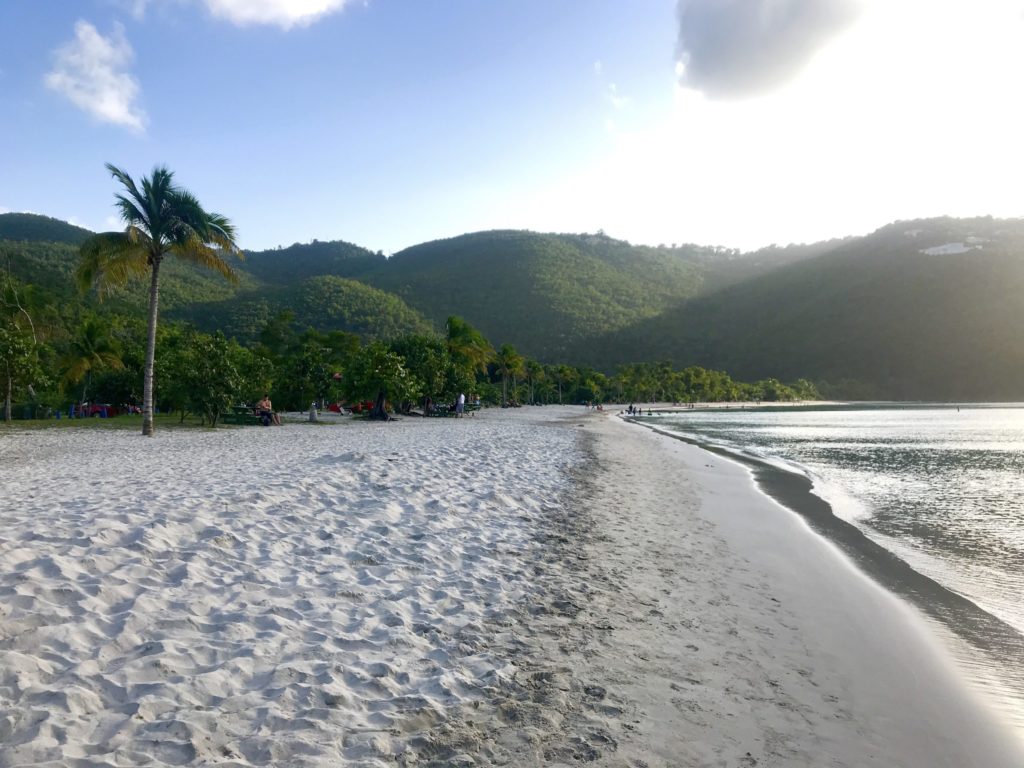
737,48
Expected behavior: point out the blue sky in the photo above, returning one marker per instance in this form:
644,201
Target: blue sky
388,123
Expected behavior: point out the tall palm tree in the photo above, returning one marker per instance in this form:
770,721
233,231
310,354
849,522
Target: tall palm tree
509,363
534,374
161,219
91,349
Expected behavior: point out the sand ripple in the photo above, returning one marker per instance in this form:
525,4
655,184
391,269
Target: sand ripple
308,595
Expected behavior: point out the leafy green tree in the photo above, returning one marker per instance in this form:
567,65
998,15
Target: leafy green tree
161,220
805,390
305,376
427,358
215,382
20,366
378,373
19,363
278,335
27,307
343,346
173,369
257,372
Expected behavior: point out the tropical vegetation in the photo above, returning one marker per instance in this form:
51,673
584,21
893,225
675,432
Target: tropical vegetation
926,309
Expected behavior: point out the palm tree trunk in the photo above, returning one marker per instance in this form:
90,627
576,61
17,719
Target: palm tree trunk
147,379
7,399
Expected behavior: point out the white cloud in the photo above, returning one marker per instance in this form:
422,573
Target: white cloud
283,13
92,73
617,100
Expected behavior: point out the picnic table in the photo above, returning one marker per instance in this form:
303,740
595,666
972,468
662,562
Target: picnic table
241,415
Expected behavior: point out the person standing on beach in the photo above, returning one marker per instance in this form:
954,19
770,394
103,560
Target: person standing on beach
460,405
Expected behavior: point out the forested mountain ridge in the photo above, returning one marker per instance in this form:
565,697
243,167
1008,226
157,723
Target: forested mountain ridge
299,261
36,228
539,292
51,266
917,310
325,303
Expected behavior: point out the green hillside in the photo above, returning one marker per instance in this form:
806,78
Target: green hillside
48,265
31,226
326,303
540,292
917,310
51,265
723,267
297,262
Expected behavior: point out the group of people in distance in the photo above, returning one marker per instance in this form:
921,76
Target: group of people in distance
638,411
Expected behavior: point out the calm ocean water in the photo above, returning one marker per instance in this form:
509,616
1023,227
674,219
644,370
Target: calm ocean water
941,487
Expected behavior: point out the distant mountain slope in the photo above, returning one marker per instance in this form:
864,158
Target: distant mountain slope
723,267
919,310
51,265
540,292
32,226
326,303
297,262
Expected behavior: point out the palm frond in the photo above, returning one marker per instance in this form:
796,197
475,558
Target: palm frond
109,260
131,214
222,233
198,252
125,180
74,370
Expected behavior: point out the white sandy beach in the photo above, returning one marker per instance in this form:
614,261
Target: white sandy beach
528,587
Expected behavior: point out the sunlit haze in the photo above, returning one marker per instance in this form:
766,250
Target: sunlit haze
387,124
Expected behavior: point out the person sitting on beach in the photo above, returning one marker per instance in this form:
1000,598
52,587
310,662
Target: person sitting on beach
265,411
